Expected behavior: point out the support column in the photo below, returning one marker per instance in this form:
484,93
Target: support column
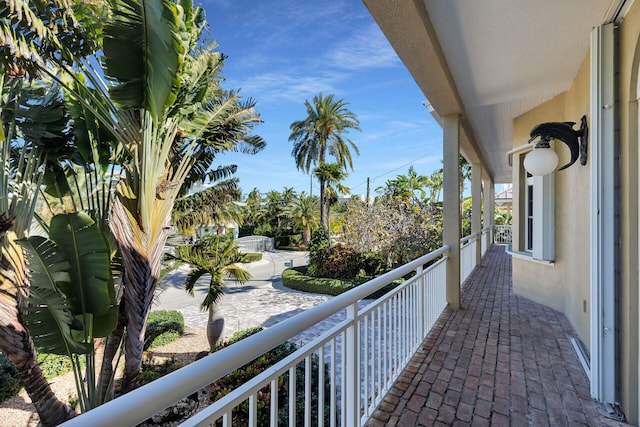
451,206
488,219
476,207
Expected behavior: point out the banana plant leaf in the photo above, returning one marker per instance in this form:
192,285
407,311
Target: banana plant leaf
142,53
80,273
91,287
48,316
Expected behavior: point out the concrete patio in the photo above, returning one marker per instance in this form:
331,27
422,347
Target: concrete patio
502,360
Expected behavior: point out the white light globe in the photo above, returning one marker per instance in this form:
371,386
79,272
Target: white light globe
541,161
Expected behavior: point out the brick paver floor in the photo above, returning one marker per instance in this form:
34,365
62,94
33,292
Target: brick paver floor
502,360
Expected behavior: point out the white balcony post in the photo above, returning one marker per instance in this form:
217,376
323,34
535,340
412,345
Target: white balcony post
352,368
489,207
451,206
476,208
421,302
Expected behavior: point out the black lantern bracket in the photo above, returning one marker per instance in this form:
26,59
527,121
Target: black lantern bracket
576,140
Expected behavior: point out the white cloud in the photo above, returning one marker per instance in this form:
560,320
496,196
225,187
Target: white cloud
365,49
291,86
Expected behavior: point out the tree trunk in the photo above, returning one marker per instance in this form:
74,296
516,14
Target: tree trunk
141,264
111,349
16,343
322,199
215,326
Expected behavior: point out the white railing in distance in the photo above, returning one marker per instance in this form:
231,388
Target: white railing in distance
341,374
486,240
502,234
468,255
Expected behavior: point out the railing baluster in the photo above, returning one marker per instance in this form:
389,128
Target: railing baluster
352,372
274,402
365,360
307,390
321,386
253,411
380,374
333,403
292,396
344,378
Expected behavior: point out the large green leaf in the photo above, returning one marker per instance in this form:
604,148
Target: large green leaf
90,289
142,54
48,317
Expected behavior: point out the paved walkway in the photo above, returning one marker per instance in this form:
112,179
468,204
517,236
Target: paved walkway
502,360
263,301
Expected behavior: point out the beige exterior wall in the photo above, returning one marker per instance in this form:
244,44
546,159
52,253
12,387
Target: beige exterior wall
565,285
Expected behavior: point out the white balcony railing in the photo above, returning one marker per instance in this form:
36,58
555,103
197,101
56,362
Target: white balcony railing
468,255
338,378
502,234
486,240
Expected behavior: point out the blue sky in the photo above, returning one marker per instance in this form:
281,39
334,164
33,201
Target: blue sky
284,52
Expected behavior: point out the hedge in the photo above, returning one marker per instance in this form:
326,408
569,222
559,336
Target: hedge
295,278
163,327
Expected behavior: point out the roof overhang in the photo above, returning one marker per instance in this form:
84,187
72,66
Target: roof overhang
491,61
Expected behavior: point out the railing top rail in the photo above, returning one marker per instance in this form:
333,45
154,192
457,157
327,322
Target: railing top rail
473,236
164,392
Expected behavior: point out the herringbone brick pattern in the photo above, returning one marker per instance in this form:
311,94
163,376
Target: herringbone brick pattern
502,360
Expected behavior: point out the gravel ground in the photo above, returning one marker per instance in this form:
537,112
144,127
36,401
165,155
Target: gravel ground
19,412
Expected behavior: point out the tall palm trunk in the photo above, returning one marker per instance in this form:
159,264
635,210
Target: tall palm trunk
17,345
111,349
15,340
141,252
323,204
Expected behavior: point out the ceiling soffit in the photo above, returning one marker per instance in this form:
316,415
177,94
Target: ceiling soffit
490,60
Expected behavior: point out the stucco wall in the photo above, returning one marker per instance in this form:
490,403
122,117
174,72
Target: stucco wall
563,285
566,284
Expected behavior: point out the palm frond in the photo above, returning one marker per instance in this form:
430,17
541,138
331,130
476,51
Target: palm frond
142,54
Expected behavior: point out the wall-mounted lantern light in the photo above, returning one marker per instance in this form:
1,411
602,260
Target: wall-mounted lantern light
543,160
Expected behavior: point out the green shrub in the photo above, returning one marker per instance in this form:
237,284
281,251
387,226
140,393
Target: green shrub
163,327
252,257
9,383
297,278
240,335
296,239
151,371
263,230
341,262
240,415
53,365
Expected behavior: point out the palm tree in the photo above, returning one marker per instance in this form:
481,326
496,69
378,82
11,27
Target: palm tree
27,148
273,209
254,209
35,34
167,109
216,204
321,134
332,175
219,257
303,212
435,186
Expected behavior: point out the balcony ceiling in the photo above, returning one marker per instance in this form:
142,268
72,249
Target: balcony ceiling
490,60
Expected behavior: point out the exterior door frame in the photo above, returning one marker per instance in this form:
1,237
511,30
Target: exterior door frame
604,208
